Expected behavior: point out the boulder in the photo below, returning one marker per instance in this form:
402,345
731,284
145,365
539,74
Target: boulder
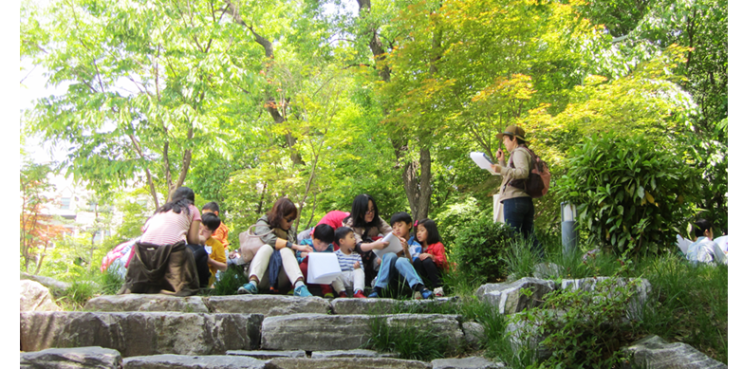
268,305
654,352
140,333
316,332
511,298
547,270
196,362
474,333
72,358
474,362
385,306
146,302
524,335
344,363
36,297
267,355
361,353
46,281
589,285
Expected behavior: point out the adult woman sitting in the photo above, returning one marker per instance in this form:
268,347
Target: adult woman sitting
275,231
162,262
368,228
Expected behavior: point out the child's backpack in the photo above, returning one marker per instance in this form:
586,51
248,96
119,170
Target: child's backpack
538,182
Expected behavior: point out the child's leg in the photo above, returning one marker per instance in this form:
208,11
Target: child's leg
383,277
358,280
338,284
403,266
432,272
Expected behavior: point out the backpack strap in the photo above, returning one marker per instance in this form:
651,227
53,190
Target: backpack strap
521,182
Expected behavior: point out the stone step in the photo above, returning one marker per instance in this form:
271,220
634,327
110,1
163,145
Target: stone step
301,354
78,357
268,355
386,305
316,332
268,305
344,363
142,333
146,302
195,362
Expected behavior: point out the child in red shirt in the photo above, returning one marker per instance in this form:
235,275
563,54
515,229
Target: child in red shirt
432,257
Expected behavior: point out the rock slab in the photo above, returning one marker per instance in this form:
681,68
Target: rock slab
589,284
385,306
72,358
267,305
344,363
512,297
654,352
46,281
267,355
139,333
146,302
474,362
36,297
361,353
195,362
474,333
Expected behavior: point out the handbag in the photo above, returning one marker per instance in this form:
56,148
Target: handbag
250,243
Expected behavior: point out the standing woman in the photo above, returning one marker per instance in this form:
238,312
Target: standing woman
162,262
276,234
367,227
518,206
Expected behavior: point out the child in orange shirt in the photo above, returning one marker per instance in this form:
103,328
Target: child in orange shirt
221,233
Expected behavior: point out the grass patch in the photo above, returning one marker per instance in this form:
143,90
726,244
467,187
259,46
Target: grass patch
230,281
75,297
410,341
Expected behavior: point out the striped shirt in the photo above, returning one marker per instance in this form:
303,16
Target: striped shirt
347,261
169,227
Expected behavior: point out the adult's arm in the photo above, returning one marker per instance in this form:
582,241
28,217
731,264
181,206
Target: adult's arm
193,232
521,163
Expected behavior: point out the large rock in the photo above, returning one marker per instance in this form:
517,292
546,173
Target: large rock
36,297
315,332
268,355
46,281
512,297
195,362
146,302
267,305
386,306
654,352
474,362
72,358
523,335
474,334
350,353
138,333
547,270
344,363
589,284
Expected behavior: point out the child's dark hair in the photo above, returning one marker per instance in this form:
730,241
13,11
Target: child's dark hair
341,233
433,232
324,233
212,206
281,209
358,211
401,217
211,221
181,198
700,226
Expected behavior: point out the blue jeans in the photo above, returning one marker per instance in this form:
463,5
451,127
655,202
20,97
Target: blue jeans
518,213
402,267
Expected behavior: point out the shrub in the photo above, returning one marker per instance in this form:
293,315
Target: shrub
632,196
454,218
229,281
480,248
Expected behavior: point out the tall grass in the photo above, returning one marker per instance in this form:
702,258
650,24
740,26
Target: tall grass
409,341
229,281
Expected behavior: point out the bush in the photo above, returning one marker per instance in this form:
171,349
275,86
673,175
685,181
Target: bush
454,218
229,281
631,195
479,251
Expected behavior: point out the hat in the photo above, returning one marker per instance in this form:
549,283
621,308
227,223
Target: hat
513,130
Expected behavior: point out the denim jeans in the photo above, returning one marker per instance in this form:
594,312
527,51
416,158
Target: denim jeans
402,267
518,213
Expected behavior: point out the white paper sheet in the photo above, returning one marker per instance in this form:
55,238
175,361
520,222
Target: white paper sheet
482,161
322,267
394,246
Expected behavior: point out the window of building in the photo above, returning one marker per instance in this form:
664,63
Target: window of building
65,203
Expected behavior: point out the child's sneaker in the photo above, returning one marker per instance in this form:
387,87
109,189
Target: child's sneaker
250,288
359,294
302,291
342,294
424,293
375,293
438,291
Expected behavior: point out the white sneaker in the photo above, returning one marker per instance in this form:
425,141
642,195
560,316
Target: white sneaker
438,291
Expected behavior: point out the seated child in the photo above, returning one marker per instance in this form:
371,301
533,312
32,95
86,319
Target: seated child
217,259
704,249
432,256
351,267
320,240
221,233
401,224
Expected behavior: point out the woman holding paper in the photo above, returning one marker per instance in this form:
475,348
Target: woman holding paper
518,206
368,230
275,231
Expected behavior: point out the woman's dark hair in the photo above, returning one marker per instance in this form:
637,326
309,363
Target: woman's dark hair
341,233
433,232
358,211
211,221
282,208
324,233
182,197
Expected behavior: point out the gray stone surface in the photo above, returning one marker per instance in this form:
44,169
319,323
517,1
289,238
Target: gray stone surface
345,363
146,302
509,297
267,355
547,270
654,352
385,306
36,297
316,332
195,362
267,305
140,333
474,362
350,353
474,333
589,285
46,281
71,358
524,336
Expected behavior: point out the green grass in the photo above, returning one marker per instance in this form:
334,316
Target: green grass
230,281
409,341
75,297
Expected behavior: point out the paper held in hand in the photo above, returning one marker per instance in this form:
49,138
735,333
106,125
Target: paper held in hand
482,161
394,245
322,267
